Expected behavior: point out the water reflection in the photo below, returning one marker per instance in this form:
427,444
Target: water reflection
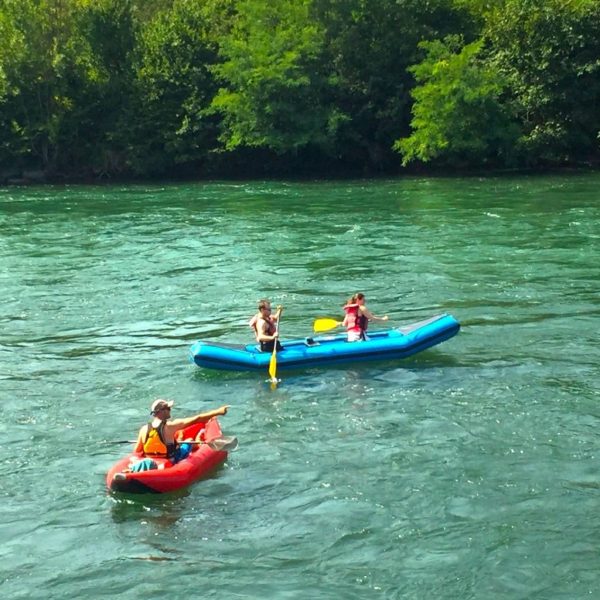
161,510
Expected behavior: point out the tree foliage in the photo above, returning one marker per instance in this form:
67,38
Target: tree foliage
523,94
458,112
174,87
370,46
159,87
274,82
549,54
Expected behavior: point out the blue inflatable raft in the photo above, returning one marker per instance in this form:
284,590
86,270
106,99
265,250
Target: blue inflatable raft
321,350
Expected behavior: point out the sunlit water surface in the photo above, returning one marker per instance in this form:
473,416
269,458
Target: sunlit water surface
468,471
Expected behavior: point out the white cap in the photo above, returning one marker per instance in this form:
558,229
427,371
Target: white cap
160,404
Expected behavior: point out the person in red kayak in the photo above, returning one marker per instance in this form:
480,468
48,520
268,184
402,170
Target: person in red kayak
265,326
357,318
157,438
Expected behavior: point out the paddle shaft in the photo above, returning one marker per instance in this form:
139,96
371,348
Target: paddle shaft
220,443
273,361
135,442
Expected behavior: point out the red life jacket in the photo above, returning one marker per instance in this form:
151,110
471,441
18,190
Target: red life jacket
355,320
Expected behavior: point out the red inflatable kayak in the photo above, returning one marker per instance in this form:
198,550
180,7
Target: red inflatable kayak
205,456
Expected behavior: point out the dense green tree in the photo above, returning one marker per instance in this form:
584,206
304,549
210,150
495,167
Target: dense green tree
169,124
39,63
10,52
458,116
325,73
549,54
159,87
110,33
525,94
370,45
8,46
274,83
62,62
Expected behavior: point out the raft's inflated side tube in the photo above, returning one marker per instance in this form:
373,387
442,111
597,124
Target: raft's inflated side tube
326,350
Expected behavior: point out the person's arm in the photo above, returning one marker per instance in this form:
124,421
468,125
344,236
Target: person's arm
365,311
139,444
199,418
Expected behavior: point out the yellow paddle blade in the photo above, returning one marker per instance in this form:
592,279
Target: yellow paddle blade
325,324
273,367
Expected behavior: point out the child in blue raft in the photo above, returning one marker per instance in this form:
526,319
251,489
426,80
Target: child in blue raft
357,318
157,438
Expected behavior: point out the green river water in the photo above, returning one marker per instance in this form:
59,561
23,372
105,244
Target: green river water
471,470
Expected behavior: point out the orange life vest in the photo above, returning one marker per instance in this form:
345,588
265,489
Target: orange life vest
154,444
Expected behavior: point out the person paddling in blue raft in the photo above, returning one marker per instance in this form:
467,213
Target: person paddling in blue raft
265,326
357,318
157,438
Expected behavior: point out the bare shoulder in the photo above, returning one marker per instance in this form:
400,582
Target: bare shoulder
142,432
261,324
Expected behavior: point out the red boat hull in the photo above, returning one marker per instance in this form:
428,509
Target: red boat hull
169,477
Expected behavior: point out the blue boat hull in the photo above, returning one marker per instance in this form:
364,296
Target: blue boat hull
392,344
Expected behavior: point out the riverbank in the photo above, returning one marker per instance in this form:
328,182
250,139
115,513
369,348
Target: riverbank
29,177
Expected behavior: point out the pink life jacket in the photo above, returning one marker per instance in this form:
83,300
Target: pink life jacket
355,320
